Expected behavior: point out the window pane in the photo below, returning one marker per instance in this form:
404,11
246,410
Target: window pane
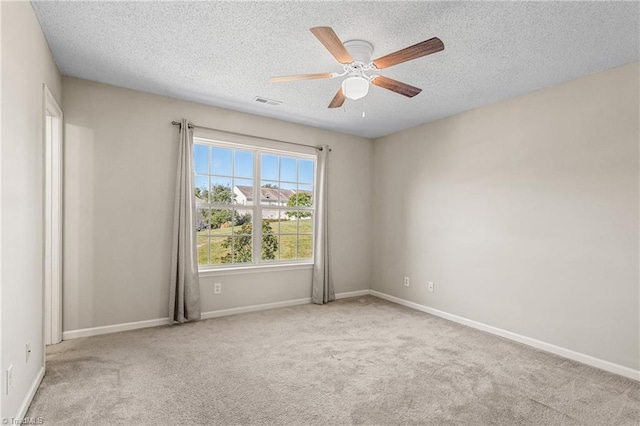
270,225
221,190
220,250
304,246
243,191
288,170
288,225
270,221
288,246
202,222
270,239
305,224
269,193
270,247
203,249
221,163
219,221
202,189
300,199
269,167
305,171
201,159
243,222
244,164
242,248
305,197
287,191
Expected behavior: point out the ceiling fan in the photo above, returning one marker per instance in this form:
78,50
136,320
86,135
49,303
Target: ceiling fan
355,57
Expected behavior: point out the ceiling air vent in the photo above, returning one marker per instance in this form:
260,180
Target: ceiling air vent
262,100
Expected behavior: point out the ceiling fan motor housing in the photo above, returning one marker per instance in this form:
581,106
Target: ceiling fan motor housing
360,50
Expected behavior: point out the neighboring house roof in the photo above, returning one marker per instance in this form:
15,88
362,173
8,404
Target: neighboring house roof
269,194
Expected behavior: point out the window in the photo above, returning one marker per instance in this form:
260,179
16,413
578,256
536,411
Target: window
254,206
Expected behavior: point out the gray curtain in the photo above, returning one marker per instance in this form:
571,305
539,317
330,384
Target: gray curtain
184,292
322,286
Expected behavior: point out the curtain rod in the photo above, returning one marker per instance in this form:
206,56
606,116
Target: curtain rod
193,126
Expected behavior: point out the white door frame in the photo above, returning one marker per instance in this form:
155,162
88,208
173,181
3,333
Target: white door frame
52,312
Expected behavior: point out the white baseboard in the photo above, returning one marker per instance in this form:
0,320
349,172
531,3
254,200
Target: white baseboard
96,331
348,294
22,411
538,344
255,308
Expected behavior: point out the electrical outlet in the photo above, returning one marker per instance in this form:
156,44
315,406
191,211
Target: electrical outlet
406,281
430,287
9,379
28,351
217,288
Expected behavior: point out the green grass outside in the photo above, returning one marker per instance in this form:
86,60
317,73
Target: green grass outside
211,239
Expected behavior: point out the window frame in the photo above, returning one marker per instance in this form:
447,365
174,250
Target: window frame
256,208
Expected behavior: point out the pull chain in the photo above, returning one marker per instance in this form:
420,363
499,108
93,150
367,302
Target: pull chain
363,114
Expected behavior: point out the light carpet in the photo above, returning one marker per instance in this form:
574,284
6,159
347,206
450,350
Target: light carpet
354,361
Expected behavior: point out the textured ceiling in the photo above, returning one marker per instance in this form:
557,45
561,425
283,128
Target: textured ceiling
222,53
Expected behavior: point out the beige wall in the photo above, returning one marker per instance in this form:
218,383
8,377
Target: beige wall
26,64
524,213
120,159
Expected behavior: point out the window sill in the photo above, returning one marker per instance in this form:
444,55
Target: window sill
253,269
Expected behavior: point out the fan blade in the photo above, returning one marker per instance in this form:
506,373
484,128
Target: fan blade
396,86
338,99
300,77
416,51
333,44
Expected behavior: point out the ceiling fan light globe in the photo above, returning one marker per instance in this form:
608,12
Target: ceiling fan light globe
355,87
